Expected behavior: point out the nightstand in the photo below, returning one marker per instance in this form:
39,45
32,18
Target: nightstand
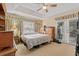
17,39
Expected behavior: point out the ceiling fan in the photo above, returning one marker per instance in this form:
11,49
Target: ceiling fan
46,6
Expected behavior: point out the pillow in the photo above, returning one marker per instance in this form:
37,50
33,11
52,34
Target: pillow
31,32
28,32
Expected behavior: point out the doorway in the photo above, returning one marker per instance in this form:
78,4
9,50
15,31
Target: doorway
66,31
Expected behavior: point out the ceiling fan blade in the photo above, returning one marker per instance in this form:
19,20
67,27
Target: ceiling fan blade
39,9
43,4
53,5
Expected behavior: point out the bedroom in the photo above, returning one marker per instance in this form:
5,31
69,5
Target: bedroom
39,26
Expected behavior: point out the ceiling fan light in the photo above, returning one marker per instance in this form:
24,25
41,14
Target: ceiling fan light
44,7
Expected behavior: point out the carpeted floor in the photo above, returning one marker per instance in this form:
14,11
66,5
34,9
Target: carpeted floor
52,49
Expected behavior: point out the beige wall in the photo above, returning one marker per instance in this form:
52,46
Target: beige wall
49,22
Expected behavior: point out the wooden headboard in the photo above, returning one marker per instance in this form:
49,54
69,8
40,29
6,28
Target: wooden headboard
6,39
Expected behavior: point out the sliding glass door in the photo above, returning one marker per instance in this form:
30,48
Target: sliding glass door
60,30
72,31
67,30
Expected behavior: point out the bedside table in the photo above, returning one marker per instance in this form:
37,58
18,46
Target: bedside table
17,39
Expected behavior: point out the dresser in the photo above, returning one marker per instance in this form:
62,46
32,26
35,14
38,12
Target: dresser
51,32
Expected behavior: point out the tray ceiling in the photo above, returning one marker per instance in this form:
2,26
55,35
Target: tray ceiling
31,9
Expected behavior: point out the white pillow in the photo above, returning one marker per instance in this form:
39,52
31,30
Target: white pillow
28,32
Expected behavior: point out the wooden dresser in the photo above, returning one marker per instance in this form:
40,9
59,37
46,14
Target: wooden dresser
7,46
51,32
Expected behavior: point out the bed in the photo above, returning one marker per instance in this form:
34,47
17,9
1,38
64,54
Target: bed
34,39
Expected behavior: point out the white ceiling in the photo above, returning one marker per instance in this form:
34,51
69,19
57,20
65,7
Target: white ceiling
31,9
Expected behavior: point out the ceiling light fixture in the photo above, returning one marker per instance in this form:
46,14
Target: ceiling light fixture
44,7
